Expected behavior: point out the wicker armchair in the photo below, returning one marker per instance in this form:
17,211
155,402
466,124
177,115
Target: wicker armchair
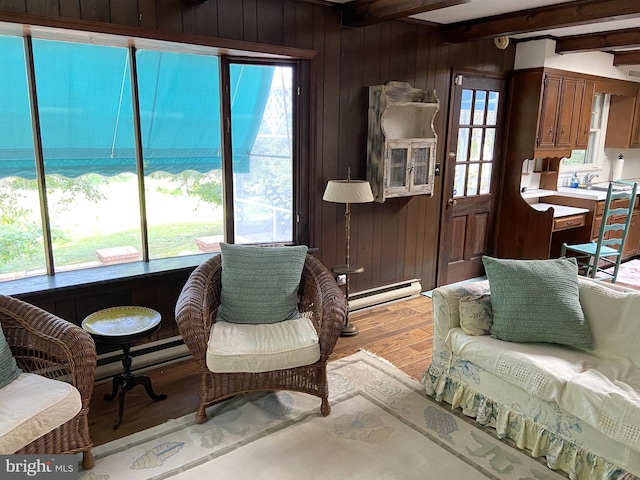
196,311
45,344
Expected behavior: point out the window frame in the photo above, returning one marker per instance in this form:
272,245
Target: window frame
228,52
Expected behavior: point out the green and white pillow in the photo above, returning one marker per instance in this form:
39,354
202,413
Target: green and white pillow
9,370
537,301
260,284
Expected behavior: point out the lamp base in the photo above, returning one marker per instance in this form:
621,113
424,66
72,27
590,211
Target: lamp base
349,330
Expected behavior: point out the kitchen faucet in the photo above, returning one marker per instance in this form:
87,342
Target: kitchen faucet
588,178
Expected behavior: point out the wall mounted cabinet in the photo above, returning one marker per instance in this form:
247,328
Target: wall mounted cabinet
565,113
623,128
401,143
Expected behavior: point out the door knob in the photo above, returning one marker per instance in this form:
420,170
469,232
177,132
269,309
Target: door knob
452,202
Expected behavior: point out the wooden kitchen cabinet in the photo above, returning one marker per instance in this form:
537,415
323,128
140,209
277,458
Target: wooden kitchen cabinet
548,116
524,232
632,245
623,128
565,112
583,127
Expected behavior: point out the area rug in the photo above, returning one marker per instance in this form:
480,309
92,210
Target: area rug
629,273
382,426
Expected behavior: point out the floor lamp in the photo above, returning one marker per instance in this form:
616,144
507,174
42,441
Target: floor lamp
348,191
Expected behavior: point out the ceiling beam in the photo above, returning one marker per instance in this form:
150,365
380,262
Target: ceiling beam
360,13
578,12
629,37
630,57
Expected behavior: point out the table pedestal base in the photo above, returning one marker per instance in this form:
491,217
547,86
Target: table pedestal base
125,381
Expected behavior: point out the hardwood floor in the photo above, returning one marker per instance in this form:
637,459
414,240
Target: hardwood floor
400,332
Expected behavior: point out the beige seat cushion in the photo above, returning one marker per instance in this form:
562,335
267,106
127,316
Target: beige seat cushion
235,347
33,405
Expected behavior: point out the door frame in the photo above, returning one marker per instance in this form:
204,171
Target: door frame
497,170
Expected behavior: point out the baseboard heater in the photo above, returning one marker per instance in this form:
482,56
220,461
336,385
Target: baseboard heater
171,350
384,294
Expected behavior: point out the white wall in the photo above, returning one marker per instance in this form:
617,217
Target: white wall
541,53
631,169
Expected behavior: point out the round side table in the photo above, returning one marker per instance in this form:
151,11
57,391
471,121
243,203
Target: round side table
123,326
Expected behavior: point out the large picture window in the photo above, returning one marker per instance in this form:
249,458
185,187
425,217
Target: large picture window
132,155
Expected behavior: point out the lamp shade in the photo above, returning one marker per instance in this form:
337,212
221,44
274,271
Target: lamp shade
348,191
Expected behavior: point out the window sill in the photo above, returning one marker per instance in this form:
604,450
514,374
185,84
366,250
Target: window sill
100,275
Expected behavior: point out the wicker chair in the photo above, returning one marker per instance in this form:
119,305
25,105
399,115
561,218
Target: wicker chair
45,344
196,311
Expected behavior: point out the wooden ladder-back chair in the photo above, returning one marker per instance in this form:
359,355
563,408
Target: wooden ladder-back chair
318,296
47,345
600,256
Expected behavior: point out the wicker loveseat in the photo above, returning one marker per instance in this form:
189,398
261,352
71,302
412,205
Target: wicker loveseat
319,296
54,355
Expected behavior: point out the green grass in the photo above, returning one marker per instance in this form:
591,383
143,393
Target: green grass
164,241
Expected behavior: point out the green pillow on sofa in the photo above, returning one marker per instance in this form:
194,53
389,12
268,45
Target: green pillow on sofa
537,301
260,284
9,371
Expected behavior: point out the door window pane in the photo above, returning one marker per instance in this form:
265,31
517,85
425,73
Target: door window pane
21,248
476,144
489,144
465,107
485,180
479,107
472,180
88,148
492,108
262,103
459,180
463,145
179,120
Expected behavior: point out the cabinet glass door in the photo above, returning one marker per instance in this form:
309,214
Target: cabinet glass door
398,167
421,156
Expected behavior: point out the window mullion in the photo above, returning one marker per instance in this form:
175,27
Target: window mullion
227,151
135,99
39,156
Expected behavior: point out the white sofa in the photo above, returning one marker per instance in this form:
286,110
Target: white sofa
578,409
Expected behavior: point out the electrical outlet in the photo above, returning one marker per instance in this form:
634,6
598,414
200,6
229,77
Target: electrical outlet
341,279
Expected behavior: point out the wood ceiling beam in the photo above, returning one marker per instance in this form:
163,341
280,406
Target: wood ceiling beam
631,57
360,13
578,12
629,37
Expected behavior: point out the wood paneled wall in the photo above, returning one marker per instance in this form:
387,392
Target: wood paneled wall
397,240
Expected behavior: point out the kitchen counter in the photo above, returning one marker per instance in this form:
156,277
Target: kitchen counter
564,217
559,210
596,195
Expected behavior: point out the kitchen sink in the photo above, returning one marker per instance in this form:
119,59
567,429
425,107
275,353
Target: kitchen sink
603,187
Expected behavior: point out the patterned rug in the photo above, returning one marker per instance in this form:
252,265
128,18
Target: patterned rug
382,426
629,273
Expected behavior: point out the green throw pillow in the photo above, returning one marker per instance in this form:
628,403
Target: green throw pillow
260,284
537,301
9,371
